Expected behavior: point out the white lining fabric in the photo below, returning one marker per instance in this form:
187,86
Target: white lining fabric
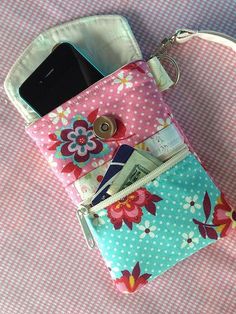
102,37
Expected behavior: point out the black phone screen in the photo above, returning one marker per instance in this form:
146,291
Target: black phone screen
61,76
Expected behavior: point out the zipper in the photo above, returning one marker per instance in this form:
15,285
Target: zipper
81,213
86,209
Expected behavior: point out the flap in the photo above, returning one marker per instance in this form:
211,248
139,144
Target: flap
102,37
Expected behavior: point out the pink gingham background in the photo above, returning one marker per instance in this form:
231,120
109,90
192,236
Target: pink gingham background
45,266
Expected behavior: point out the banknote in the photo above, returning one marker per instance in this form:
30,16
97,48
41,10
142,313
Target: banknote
138,165
149,156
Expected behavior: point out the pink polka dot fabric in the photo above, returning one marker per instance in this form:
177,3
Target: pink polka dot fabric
46,266
130,95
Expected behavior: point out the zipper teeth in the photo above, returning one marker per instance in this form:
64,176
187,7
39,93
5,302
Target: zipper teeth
149,177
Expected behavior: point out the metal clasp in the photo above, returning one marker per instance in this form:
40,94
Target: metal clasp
168,42
161,51
162,48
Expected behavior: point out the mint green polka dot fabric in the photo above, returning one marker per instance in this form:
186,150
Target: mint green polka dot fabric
175,222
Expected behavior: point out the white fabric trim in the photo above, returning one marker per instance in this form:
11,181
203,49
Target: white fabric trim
102,37
211,36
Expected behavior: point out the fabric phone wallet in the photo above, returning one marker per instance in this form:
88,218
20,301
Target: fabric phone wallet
157,221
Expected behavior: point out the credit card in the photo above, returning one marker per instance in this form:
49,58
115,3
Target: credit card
138,165
116,165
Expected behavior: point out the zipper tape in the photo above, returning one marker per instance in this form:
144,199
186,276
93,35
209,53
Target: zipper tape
135,186
84,210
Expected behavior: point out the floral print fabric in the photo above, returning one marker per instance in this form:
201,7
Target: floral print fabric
79,143
129,209
130,282
224,217
160,224
65,136
153,228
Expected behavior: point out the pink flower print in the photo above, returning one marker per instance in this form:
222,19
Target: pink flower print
127,210
79,143
224,217
130,282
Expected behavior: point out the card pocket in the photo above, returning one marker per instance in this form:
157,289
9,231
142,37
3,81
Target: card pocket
158,221
66,135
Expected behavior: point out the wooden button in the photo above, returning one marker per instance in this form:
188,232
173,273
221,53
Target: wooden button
104,127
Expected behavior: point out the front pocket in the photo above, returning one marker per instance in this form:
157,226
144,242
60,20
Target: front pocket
159,224
142,182
66,137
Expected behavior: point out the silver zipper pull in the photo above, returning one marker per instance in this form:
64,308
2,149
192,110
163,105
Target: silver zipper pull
81,212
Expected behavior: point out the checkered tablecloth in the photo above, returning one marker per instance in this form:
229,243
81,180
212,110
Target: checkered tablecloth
45,266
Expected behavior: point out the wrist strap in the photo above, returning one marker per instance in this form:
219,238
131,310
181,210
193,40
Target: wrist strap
183,35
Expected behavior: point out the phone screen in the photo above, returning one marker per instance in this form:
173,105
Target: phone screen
61,76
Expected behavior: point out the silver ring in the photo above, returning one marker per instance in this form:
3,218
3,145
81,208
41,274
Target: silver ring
174,63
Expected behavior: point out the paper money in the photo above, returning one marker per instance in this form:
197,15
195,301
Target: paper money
135,168
149,156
